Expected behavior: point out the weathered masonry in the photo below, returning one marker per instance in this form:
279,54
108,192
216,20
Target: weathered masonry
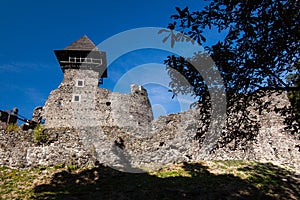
118,129
78,101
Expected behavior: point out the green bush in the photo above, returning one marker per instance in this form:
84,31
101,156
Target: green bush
40,136
59,166
71,167
12,127
71,164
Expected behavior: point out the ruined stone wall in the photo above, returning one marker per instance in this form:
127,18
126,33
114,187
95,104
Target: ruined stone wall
96,106
63,147
131,110
168,139
172,139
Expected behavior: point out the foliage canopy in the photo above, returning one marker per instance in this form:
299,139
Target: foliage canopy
260,50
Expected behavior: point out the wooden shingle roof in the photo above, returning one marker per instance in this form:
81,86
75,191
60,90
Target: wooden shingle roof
83,43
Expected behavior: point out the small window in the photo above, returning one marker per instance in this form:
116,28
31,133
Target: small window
78,60
79,83
76,98
71,59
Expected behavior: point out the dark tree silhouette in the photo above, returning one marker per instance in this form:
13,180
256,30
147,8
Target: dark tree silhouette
294,96
258,53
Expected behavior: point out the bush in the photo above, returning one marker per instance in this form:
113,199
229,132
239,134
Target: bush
71,167
40,136
12,127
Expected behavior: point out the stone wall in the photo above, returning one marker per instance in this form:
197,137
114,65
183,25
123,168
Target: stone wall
166,140
63,146
96,106
172,139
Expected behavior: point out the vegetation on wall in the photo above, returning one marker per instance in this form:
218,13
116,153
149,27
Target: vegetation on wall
12,127
39,134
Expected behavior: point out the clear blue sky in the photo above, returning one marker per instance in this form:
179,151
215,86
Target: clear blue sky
32,29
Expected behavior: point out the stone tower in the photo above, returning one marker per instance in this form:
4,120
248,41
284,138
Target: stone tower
78,101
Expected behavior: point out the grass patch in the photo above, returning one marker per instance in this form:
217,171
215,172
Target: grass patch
16,184
202,180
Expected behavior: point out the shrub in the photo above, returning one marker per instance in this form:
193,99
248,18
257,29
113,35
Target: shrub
59,166
12,127
71,167
40,136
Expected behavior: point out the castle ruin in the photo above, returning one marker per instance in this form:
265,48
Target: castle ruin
85,124
78,101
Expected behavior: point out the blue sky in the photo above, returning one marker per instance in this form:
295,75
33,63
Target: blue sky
32,29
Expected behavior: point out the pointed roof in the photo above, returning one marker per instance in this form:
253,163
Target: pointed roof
83,43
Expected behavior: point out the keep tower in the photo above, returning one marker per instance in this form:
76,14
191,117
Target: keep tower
73,102
78,101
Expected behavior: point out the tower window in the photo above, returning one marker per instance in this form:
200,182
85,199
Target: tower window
79,83
84,60
72,59
76,98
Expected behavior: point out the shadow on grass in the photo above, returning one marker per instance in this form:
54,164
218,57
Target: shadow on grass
271,179
265,181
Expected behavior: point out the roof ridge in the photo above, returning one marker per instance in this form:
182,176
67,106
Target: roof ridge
83,43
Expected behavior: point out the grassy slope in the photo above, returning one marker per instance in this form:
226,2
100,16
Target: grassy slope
203,180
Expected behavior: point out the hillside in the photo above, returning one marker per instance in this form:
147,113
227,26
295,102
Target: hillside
201,180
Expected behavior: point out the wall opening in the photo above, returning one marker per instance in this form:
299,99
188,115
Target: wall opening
76,98
79,83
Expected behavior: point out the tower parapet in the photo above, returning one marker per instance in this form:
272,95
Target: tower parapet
84,55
